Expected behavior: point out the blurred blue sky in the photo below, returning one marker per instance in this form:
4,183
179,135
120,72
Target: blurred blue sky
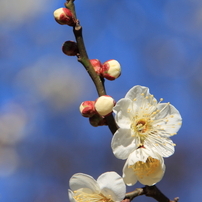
43,138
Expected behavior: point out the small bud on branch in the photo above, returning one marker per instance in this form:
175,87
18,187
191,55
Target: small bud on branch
111,69
104,105
87,108
64,16
70,48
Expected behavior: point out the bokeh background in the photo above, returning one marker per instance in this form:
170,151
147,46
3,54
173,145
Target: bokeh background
43,138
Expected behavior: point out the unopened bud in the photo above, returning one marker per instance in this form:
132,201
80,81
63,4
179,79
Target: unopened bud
111,69
96,65
87,108
97,120
64,16
104,105
70,48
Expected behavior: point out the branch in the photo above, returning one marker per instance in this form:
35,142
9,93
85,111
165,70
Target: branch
84,60
150,191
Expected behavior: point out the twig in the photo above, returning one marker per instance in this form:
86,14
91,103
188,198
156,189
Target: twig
84,60
131,195
150,191
176,199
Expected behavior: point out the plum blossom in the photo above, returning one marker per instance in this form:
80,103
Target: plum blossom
145,122
109,187
145,166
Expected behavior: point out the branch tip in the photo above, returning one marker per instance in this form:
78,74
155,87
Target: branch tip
176,199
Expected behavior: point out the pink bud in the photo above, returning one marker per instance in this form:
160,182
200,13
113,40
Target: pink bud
64,16
87,108
111,69
70,48
97,120
96,65
104,105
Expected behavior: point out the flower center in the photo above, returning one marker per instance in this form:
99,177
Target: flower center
142,120
145,169
141,126
81,196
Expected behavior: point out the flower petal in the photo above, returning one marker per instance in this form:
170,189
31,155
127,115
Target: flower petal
81,180
71,196
166,109
122,115
111,184
162,145
136,90
123,143
140,154
140,94
129,176
168,119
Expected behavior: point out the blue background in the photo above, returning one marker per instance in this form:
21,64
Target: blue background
43,138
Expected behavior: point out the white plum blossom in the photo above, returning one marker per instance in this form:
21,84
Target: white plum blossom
109,187
145,166
145,122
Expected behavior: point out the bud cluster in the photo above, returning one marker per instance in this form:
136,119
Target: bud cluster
111,69
97,110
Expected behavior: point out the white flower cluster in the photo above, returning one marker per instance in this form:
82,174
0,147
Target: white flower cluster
143,137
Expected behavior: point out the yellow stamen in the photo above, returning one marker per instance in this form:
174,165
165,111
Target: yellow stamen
81,196
145,169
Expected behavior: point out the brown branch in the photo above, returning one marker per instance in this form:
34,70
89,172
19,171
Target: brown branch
150,191
84,60
131,195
